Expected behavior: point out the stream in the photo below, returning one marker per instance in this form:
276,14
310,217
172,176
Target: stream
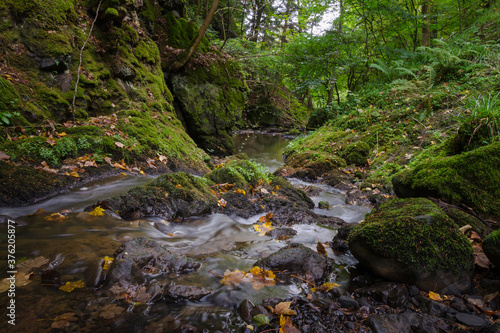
218,241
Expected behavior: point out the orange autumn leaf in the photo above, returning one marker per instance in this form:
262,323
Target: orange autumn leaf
283,308
321,248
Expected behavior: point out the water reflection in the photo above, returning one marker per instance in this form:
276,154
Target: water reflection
267,149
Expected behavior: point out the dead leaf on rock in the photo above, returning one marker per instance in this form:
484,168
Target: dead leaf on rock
98,211
110,311
283,308
286,325
4,156
488,298
435,297
56,217
321,248
327,286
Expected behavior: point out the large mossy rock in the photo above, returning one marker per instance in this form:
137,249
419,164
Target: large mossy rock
413,241
471,178
491,247
171,196
210,100
239,173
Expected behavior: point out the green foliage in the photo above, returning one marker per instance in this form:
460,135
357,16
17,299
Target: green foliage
393,70
483,110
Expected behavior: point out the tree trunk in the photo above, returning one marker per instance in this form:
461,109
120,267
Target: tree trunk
183,58
285,26
341,16
426,31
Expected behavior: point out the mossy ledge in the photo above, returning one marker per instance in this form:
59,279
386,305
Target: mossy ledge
471,178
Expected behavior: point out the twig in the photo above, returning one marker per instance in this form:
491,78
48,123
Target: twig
216,274
312,284
81,56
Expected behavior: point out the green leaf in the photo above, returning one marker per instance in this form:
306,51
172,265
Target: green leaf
261,319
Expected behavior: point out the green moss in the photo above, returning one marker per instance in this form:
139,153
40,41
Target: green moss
471,178
356,153
239,173
181,185
9,97
111,12
35,184
315,160
147,51
417,234
181,32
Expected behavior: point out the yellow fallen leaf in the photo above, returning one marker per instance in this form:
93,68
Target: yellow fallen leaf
98,211
74,174
107,263
240,191
256,270
434,296
62,134
327,286
70,286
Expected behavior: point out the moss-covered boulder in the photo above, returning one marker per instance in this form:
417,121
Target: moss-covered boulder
310,165
240,174
356,153
171,196
471,178
210,100
491,247
413,241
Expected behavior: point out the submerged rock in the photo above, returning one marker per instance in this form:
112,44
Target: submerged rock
124,271
413,241
297,258
192,293
152,258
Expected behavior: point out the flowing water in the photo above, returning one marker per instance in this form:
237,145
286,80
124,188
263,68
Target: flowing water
220,242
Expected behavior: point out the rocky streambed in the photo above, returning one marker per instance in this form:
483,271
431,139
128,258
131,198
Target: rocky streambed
238,250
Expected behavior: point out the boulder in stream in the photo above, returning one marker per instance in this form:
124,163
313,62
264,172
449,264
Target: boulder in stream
413,241
297,258
152,258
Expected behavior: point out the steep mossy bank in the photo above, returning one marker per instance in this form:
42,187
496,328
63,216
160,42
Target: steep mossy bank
123,112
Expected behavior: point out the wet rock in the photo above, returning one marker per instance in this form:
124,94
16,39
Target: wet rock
339,242
152,258
297,258
281,233
124,271
459,305
170,196
58,64
347,302
413,241
155,290
51,277
404,322
470,320
94,274
491,247
248,310
433,308
392,294
192,293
